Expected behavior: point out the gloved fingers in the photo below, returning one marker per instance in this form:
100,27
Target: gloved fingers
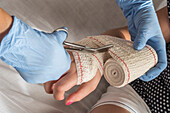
61,34
155,71
144,30
84,89
152,73
162,58
132,34
140,42
131,27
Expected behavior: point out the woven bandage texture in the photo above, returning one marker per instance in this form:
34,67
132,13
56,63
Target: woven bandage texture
120,65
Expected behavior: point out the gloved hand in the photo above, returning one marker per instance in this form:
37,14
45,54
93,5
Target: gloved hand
144,28
38,57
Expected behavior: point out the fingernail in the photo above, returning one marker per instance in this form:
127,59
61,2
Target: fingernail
69,103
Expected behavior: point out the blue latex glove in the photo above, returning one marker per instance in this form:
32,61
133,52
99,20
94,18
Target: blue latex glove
144,28
38,57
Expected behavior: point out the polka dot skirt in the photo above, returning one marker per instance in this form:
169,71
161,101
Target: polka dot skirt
155,93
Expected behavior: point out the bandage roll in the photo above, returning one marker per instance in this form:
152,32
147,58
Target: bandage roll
114,72
123,69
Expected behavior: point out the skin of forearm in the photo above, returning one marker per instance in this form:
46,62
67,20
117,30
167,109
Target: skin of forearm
119,32
5,23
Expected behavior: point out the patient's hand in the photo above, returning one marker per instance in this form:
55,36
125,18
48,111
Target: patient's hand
67,81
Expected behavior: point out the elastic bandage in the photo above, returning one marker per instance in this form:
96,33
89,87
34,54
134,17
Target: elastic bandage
120,65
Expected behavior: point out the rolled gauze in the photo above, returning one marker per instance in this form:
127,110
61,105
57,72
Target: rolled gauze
122,63
127,64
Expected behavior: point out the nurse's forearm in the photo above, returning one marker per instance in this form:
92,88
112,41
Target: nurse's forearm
5,23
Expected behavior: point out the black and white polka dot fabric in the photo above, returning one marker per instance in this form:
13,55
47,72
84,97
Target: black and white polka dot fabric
156,92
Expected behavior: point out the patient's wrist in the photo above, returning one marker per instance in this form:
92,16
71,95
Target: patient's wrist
119,32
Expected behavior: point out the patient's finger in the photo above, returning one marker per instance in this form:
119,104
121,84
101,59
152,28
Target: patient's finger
63,85
84,90
48,86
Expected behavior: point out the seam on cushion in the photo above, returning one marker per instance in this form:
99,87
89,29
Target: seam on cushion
117,57
152,54
80,68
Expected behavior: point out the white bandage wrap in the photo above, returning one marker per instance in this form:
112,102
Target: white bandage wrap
121,64
87,64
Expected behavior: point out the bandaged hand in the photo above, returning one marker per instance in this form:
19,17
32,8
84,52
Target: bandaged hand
86,70
121,64
69,80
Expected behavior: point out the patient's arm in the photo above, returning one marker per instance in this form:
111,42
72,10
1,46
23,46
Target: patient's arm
5,23
119,32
